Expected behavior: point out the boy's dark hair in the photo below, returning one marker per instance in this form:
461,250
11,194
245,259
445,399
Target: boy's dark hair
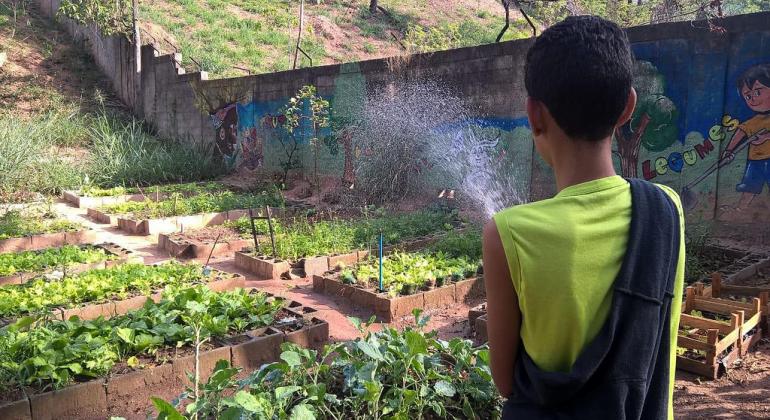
581,70
760,72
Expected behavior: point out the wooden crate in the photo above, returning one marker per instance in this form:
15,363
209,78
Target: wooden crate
738,337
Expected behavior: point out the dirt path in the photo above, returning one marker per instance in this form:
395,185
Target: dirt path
741,393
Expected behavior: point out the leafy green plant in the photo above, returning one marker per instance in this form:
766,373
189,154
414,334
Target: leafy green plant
92,286
404,273
16,223
301,238
62,257
206,202
42,353
112,18
192,188
387,374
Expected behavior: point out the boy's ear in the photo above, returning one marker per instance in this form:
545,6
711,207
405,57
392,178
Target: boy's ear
535,116
629,109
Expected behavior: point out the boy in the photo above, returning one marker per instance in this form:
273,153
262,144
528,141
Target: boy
584,289
754,88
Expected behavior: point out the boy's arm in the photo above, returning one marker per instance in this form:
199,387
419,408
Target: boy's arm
503,314
737,137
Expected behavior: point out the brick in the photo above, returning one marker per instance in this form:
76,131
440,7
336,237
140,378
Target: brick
312,336
258,351
440,297
344,259
81,401
467,290
16,410
403,305
208,360
319,284
315,266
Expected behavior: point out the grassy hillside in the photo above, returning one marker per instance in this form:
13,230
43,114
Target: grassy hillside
234,37
59,125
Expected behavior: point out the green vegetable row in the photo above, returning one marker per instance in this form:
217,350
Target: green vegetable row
19,223
93,286
62,257
452,258
186,189
41,353
387,374
301,238
207,202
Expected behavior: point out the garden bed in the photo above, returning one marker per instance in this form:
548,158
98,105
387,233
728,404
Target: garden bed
389,308
97,197
311,249
714,332
410,373
37,228
105,292
100,256
130,382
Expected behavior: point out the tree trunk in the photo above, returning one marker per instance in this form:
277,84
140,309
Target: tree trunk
628,148
373,6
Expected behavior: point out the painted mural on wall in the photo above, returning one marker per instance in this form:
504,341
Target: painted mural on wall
701,126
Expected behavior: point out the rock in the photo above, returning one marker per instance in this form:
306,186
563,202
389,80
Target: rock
3,58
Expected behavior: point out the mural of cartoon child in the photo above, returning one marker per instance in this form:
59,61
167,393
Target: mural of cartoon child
754,87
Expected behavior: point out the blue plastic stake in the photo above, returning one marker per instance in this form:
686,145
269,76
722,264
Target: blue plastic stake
381,289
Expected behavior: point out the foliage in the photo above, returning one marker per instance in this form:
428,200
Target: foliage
193,188
25,161
35,261
64,148
16,223
43,353
305,113
93,286
178,205
111,17
386,374
696,240
449,35
124,153
301,238
404,273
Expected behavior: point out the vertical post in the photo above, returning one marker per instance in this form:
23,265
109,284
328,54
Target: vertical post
712,338
254,231
716,284
689,300
381,288
299,33
272,233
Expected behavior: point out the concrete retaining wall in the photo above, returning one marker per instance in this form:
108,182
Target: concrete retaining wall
694,70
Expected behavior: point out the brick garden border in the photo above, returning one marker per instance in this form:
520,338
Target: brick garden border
123,256
81,201
389,309
177,223
47,240
103,397
192,248
222,282
266,268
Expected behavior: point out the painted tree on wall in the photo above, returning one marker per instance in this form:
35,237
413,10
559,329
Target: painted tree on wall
653,124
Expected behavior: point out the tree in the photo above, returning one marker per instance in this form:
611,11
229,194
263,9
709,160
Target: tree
305,108
653,123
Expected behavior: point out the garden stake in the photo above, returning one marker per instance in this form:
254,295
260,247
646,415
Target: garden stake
254,231
272,234
381,289
206,268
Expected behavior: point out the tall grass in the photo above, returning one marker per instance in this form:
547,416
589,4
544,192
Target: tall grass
124,153
58,150
27,163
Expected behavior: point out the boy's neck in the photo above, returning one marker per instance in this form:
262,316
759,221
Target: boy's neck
582,161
